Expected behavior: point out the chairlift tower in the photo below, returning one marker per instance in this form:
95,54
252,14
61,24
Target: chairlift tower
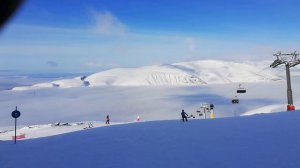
290,60
207,108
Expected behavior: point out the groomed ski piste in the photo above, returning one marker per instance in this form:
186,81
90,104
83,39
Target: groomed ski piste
260,141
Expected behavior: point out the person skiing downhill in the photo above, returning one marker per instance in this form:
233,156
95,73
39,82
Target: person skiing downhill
184,116
107,119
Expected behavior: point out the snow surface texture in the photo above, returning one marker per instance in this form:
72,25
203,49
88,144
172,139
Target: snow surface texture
37,131
61,101
180,74
260,141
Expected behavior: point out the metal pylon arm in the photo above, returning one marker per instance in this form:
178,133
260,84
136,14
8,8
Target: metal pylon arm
290,59
276,63
294,64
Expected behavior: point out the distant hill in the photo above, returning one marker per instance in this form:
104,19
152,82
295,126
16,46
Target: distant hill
178,74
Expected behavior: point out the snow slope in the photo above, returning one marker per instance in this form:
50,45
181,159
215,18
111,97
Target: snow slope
144,76
266,109
179,74
262,141
64,83
45,130
221,72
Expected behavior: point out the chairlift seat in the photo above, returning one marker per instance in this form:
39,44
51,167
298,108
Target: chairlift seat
241,91
235,101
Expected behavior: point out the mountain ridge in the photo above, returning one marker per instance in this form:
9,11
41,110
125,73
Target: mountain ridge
178,74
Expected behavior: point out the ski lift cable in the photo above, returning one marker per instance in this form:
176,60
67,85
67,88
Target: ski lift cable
253,86
259,74
242,83
256,74
235,99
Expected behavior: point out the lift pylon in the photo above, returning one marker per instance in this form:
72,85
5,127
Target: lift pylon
290,60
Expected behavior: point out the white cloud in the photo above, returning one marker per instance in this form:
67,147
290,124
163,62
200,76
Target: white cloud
107,24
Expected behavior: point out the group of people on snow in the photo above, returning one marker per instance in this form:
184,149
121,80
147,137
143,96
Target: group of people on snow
184,116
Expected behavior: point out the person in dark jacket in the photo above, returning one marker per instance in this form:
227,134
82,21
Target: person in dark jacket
184,116
107,119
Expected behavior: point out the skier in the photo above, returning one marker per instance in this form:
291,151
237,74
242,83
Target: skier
90,125
184,115
107,119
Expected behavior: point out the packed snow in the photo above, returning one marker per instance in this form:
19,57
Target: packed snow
259,141
45,130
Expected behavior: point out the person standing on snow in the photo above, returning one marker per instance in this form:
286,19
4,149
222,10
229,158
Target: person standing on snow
107,119
184,116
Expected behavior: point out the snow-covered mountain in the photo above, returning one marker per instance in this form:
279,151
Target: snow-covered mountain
178,74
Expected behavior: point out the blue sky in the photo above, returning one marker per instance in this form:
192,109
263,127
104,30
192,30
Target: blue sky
92,35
